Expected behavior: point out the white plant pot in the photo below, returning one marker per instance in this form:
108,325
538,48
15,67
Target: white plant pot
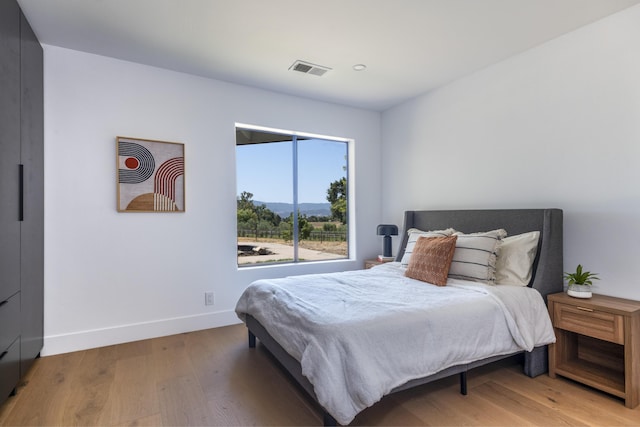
579,291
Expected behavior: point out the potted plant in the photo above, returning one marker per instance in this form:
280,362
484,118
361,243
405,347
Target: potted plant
580,282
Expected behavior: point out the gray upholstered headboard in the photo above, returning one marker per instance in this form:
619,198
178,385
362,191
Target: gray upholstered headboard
547,267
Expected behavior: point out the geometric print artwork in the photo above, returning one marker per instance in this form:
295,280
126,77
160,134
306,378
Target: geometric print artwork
150,175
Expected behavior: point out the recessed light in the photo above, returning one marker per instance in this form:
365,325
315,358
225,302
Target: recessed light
359,67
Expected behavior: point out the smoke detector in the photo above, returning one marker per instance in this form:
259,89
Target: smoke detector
309,68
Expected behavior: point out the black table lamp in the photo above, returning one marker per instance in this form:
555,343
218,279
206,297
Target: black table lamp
387,230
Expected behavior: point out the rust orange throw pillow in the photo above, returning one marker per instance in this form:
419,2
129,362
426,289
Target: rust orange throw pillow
431,259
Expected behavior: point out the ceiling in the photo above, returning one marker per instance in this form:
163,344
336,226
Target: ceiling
408,46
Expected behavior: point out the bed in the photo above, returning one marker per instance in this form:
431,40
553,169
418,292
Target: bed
331,345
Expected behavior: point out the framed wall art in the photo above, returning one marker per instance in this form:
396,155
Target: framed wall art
150,175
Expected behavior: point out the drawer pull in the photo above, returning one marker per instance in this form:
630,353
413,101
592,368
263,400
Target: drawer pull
3,302
584,309
4,353
21,189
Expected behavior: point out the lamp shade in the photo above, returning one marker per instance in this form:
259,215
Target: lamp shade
387,230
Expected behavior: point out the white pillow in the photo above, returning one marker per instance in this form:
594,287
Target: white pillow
515,262
414,235
475,256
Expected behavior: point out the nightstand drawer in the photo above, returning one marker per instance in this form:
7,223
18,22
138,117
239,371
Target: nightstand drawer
591,322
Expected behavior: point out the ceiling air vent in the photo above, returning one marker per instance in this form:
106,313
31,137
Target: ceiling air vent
309,68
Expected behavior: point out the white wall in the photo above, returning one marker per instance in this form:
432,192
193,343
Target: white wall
113,277
556,126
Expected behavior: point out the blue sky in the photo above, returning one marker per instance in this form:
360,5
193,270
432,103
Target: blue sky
266,170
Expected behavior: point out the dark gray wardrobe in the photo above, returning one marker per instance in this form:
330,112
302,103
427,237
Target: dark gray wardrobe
21,197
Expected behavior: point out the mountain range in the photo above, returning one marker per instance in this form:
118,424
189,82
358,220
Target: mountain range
285,209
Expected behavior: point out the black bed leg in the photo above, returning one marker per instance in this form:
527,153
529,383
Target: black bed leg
252,339
463,383
328,420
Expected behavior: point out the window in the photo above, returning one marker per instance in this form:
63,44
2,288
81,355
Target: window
279,174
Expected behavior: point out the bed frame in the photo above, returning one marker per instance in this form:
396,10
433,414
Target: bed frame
546,278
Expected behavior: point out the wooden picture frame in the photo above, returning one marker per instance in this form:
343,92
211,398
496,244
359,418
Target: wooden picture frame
150,175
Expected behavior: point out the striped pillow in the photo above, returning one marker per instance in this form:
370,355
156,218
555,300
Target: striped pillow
475,256
414,235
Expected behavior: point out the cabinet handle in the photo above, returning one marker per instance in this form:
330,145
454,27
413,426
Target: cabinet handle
584,309
21,203
4,353
3,302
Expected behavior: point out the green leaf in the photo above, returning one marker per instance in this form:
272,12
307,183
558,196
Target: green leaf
580,277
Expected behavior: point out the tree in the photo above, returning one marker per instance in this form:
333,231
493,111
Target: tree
329,226
246,201
267,215
249,213
337,196
246,215
319,218
304,227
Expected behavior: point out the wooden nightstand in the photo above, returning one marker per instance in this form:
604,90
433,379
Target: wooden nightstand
597,343
368,263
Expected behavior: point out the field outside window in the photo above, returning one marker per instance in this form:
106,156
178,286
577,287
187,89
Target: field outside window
279,174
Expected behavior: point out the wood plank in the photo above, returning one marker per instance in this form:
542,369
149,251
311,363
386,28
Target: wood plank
182,402
582,403
150,421
211,377
132,396
593,375
170,357
603,353
90,386
518,404
44,393
135,349
632,355
262,392
447,407
388,412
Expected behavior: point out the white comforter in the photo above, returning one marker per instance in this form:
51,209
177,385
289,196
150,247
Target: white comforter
359,334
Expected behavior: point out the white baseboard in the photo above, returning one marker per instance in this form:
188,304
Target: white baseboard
83,340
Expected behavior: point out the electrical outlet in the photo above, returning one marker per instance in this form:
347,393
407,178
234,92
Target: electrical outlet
208,298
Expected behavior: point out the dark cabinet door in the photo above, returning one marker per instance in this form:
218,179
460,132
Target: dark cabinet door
9,149
32,225
9,369
21,196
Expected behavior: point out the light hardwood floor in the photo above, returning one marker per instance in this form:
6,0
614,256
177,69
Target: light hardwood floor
211,377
